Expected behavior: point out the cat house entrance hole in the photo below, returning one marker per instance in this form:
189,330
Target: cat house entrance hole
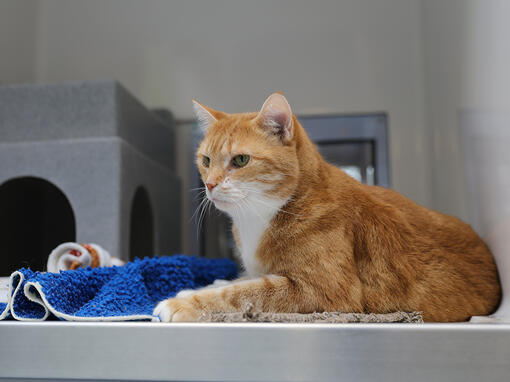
35,217
141,238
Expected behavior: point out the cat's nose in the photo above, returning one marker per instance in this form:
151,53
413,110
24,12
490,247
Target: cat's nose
210,186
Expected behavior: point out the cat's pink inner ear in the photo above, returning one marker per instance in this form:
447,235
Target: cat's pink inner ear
204,116
276,116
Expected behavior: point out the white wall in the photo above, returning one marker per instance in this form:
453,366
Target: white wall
18,24
467,56
327,56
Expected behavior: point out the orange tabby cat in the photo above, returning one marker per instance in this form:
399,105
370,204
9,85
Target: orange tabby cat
313,239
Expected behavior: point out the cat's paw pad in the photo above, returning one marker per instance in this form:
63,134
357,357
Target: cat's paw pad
176,310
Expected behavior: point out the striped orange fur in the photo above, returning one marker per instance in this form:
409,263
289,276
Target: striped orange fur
314,239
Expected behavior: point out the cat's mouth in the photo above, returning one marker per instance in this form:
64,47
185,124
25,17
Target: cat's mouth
220,202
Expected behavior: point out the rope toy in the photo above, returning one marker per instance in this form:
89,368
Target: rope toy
93,254
70,256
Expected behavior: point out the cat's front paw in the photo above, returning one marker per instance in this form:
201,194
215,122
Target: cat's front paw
176,310
185,293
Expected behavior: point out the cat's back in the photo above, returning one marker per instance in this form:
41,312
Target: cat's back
388,210
444,230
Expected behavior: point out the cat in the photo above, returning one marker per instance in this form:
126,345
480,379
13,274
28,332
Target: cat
312,238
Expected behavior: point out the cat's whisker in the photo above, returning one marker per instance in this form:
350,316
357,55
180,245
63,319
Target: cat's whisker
202,215
199,196
203,204
198,208
209,207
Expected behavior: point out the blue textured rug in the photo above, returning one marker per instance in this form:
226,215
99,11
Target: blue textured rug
129,292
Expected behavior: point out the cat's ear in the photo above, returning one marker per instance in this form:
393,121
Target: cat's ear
276,116
205,116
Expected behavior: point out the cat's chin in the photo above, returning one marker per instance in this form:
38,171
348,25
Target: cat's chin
222,205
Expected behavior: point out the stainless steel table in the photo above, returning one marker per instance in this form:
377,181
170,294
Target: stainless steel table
255,352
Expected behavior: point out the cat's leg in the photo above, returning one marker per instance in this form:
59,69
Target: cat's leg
269,294
215,284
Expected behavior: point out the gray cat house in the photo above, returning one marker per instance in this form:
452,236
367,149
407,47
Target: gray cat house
84,162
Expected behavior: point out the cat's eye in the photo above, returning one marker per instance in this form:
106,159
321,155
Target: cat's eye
206,161
240,160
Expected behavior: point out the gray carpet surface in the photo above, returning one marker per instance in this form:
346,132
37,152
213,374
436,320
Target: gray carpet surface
325,317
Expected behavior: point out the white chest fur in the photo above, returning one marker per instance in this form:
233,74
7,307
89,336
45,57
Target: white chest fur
251,225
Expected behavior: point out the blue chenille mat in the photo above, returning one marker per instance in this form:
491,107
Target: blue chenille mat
128,292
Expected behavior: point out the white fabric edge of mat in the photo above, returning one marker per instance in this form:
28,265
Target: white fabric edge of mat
69,317
13,296
7,309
